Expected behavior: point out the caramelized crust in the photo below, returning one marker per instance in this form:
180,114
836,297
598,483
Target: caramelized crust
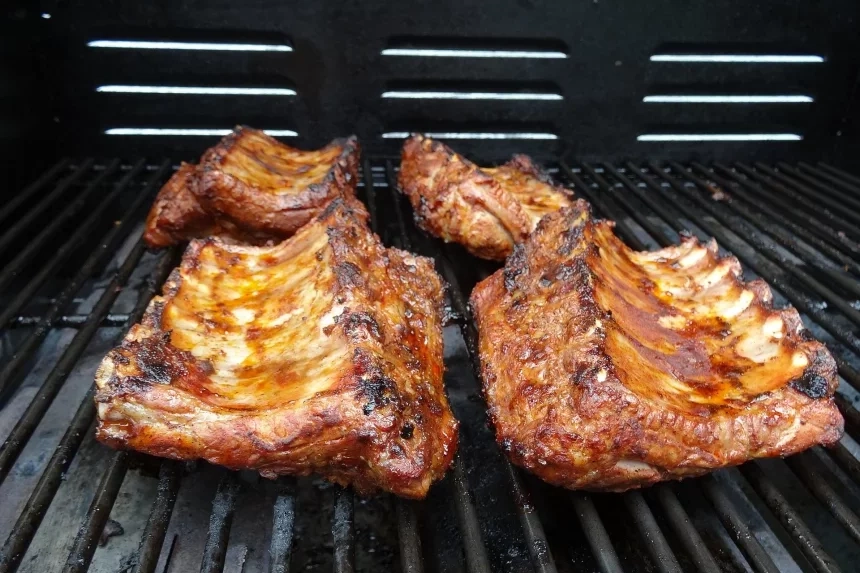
487,210
252,188
321,354
176,215
608,369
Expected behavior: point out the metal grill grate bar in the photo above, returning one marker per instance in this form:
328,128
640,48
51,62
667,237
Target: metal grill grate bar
852,181
88,535
846,459
804,466
39,405
650,207
834,197
33,188
595,532
833,180
46,235
782,236
750,236
284,518
112,320
24,223
762,192
29,520
736,526
687,534
159,517
803,195
11,375
220,521
762,267
83,231
655,542
410,540
343,530
790,519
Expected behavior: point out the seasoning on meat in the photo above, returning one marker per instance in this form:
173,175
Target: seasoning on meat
320,354
251,188
487,210
608,369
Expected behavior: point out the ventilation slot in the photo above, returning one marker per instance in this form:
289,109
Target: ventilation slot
493,91
476,48
195,90
739,58
474,135
197,46
189,132
719,137
709,98
513,96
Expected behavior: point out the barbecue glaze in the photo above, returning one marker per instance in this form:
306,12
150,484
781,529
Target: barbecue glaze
607,369
321,354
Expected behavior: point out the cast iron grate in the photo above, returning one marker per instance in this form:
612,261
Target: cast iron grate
795,226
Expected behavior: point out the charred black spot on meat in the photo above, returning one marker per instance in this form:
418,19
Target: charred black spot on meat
812,384
355,324
348,275
376,387
332,207
515,266
406,431
569,240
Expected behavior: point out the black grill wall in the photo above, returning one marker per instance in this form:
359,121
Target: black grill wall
339,73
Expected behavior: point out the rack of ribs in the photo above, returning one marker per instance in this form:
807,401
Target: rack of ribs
251,188
320,354
609,369
487,210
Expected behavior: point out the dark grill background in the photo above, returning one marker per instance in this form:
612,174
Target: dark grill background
75,275
339,69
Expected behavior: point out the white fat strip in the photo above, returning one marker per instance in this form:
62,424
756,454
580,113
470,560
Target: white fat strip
691,258
715,275
673,321
283,318
773,327
328,318
731,309
244,315
799,360
633,466
757,348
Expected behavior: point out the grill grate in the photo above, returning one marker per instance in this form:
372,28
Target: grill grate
795,226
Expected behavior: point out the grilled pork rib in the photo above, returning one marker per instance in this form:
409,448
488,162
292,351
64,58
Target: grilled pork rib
608,369
252,188
321,354
487,210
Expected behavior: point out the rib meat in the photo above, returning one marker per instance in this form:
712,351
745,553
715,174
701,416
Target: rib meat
251,188
607,369
321,354
487,210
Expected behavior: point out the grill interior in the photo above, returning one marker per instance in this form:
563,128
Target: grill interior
76,275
